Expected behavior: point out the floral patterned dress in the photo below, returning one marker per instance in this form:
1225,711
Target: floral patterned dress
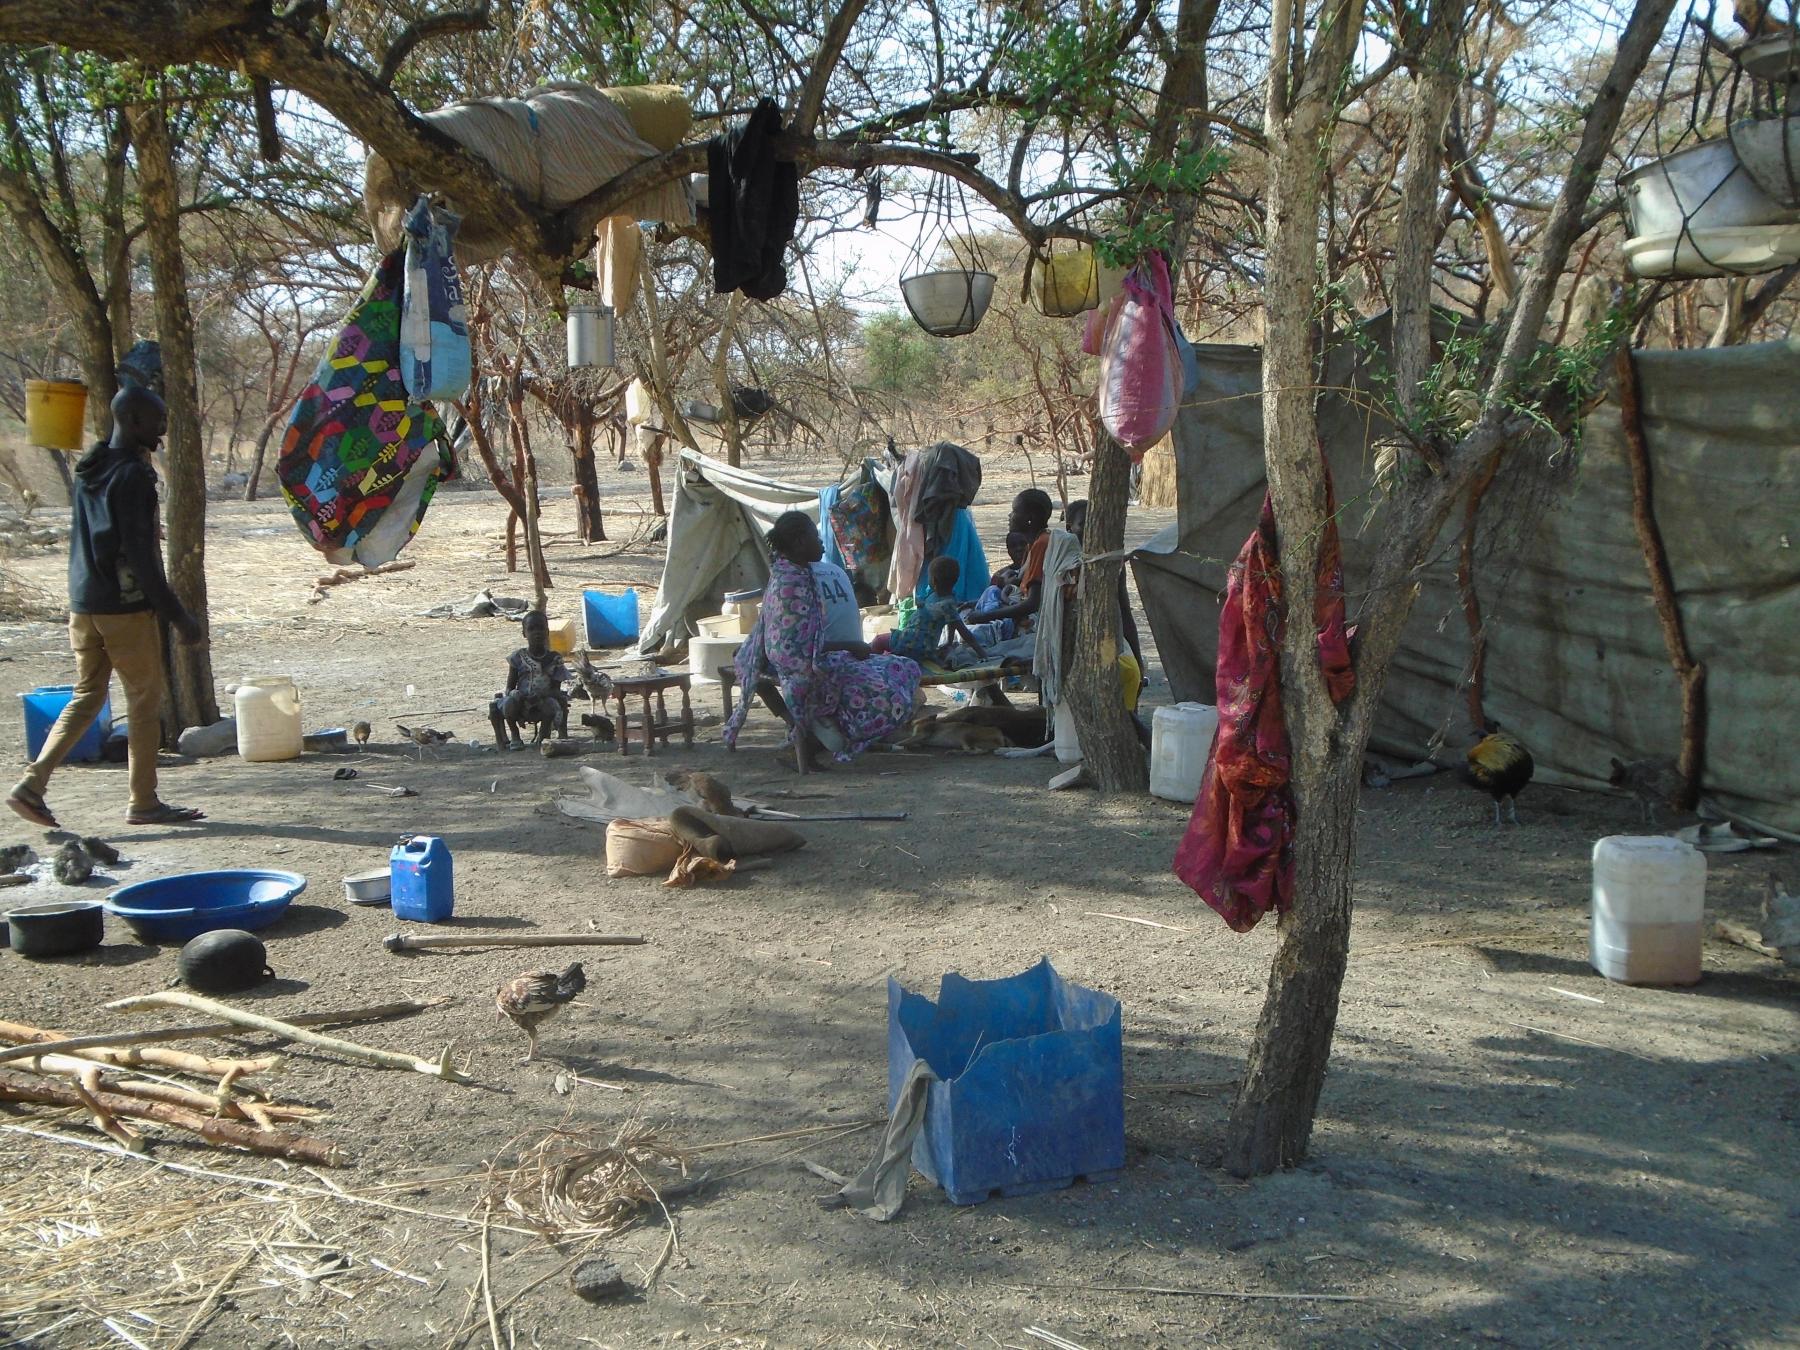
867,700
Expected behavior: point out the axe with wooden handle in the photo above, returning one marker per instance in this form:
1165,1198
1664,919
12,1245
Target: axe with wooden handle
406,942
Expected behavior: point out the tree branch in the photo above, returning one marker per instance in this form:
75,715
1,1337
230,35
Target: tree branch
812,95
476,20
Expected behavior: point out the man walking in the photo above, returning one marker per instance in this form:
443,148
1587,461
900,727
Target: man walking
117,594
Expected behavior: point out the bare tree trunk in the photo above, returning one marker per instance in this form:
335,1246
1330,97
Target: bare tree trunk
191,700
257,456
1272,1119
653,458
1109,744
589,524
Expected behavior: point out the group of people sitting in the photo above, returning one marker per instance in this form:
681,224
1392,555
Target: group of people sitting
807,660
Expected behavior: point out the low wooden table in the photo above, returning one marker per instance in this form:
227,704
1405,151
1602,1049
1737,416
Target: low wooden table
661,725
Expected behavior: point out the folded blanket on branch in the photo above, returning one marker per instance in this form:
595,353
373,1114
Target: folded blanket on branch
554,145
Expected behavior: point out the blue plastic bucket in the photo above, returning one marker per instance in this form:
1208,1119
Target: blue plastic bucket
43,705
612,620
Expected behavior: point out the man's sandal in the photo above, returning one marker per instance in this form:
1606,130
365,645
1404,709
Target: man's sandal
164,814
30,805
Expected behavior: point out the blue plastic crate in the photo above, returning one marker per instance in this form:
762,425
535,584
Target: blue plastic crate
1031,1094
611,620
43,705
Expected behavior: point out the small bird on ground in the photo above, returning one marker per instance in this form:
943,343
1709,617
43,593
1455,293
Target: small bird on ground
601,725
1500,765
360,733
534,998
1654,782
1781,920
423,737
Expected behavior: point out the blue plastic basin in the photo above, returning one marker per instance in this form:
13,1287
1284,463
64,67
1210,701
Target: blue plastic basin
174,909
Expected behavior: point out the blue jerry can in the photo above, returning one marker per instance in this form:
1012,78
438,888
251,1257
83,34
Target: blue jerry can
1031,1094
422,879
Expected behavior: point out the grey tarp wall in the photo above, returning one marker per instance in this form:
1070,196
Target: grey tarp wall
716,528
1576,662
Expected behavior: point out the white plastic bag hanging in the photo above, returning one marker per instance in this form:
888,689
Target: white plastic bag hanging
1140,367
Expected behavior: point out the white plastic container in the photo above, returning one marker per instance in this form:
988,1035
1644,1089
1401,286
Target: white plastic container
1068,744
707,654
268,719
1648,909
1181,741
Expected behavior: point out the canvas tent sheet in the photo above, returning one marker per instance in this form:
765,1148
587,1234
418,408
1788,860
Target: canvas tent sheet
1576,661
716,527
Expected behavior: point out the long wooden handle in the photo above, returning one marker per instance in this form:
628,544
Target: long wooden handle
405,942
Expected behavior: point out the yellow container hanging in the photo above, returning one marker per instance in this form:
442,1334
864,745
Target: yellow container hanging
1068,283
54,410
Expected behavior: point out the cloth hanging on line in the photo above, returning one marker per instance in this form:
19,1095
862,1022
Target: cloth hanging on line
1238,851
950,477
964,545
358,466
1062,554
435,360
753,205
909,536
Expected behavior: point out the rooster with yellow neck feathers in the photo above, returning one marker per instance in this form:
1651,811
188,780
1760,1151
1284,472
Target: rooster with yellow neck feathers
1501,766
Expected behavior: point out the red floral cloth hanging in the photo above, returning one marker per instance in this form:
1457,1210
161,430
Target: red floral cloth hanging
1238,852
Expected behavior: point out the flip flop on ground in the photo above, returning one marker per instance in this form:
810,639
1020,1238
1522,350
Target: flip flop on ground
30,805
164,814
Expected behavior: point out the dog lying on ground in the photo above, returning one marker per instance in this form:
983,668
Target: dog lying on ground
976,730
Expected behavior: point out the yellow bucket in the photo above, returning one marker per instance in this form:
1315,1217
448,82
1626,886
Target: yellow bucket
1068,283
660,113
54,410
562,636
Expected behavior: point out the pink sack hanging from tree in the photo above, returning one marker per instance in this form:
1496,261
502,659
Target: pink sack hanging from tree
1140,365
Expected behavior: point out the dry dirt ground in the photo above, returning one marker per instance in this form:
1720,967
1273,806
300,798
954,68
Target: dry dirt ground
1510,1150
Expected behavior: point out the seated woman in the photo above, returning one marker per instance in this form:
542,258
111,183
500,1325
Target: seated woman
832,686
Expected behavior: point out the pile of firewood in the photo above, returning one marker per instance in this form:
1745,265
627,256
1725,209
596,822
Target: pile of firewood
122,1078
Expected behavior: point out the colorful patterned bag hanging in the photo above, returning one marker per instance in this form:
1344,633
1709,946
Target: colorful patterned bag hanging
358,466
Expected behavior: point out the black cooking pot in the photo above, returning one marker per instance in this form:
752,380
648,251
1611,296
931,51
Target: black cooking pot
56,927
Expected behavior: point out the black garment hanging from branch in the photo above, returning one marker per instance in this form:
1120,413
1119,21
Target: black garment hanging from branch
755,205
951,477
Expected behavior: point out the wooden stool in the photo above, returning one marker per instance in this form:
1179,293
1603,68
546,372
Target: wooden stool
660,725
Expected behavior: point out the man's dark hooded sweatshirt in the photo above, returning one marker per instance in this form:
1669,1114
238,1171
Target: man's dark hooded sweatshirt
115,562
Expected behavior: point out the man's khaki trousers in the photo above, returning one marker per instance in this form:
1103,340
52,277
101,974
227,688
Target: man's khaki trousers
132,645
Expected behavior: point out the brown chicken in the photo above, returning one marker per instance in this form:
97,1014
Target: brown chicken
534,998
1501,766
360,733
424,737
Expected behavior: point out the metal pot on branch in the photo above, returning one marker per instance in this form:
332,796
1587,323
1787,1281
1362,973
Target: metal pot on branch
1699,213
948,304
590,335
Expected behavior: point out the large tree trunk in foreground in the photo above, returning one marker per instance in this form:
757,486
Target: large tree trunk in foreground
1109,745
1272,1119
191,701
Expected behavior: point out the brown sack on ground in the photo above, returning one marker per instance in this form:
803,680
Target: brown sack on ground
747,838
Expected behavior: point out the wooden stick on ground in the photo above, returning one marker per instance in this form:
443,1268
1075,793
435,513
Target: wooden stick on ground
47,1093
84,1070
345,575
1740,936
386,1059
58,1041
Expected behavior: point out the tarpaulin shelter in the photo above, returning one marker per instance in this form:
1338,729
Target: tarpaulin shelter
1576,662
716,526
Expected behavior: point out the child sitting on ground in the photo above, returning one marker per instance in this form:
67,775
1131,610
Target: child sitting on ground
924,637
535,676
